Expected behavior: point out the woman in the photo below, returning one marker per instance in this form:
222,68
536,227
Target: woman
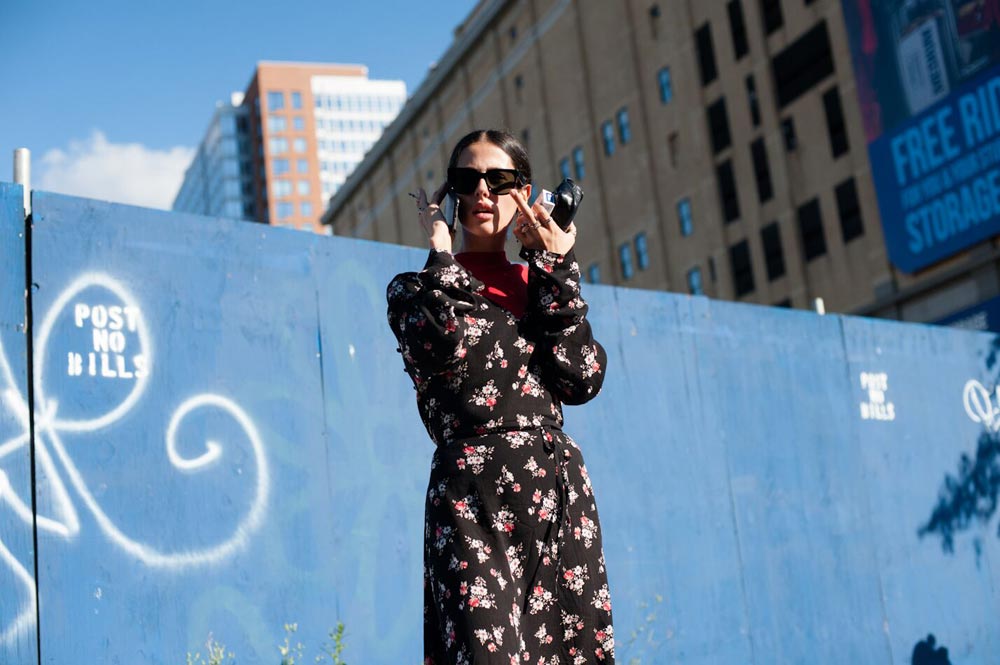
513,566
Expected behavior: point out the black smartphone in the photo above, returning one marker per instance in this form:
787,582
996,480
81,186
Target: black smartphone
449,208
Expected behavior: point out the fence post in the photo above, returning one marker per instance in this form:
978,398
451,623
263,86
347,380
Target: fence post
22,175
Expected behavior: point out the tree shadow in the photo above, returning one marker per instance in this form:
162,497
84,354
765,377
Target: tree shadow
924,653
970,496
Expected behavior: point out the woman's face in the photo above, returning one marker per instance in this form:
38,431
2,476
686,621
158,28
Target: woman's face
482,213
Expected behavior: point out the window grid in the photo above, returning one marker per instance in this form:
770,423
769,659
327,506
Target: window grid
774,257
738,29
666,85
594,273
684,216
835,125
849,210
728,195
742,268
624,128
706,54
564,167
608,134
641,250
695,286
718,125
811,230
761,170
625,255
578,165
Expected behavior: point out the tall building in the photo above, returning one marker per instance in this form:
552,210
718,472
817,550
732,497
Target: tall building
219,180
278,151
720,146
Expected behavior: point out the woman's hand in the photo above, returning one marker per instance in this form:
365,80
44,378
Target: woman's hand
536,230
432,218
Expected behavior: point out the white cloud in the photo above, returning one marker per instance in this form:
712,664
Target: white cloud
119,172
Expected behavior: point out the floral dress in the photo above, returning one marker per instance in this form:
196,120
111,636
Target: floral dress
513,565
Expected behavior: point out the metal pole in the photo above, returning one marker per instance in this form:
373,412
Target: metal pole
22,175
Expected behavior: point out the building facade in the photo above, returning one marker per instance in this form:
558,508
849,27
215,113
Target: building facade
219,180
719,145
298,130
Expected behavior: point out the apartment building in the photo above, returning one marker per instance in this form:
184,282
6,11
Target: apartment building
279,150
720,145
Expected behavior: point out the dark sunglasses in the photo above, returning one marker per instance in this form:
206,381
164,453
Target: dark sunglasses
498,181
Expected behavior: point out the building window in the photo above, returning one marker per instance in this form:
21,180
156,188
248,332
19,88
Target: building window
641,251
299,123
695,287
608,134
275,101
625,255
276,146
811,230
774,257
753,101
564,167
666,86
281,188
706,54
728,196
673,142
299,145
684,216
302,187
306,208
802,64
594,273
518,87
285,210
849,210
525,136
276,123
738,28
624,129
835,125
786,303
741,267
578,168
302,166
761,170
770,12
296,100
718,125
279,166
788,134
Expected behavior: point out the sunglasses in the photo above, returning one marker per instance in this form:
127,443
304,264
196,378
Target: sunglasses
498,181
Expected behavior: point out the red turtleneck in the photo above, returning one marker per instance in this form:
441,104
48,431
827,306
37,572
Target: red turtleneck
506,282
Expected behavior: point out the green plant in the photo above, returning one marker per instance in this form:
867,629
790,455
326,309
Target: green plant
290,653
334,650
216,652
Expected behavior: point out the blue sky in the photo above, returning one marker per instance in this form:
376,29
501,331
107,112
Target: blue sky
109,91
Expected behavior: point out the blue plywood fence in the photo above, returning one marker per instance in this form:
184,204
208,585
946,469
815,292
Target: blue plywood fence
224,443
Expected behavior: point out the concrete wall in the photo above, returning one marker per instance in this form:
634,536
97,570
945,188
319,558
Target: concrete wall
245,452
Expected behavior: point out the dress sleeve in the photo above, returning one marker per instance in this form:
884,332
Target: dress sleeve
428,314
572,361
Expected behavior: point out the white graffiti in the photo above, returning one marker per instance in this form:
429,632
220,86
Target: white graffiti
50,429
979,405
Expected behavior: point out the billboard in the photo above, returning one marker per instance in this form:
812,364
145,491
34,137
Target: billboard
928,82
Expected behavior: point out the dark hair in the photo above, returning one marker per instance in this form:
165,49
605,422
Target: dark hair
501,139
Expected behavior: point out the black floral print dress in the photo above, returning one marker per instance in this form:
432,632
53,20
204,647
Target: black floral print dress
513,565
